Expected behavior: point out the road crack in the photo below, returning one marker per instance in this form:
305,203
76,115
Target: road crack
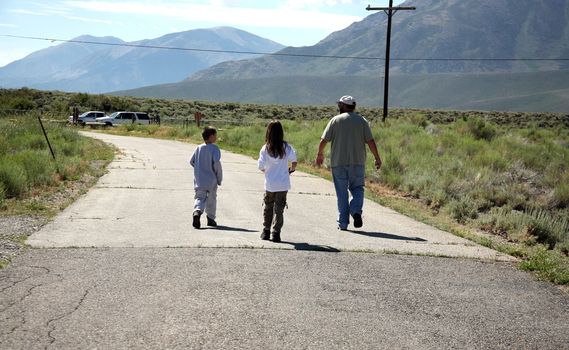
50,324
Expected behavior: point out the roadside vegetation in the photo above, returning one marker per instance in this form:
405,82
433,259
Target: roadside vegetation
32,183
500,179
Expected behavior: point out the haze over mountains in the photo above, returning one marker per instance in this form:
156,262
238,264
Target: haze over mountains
100,68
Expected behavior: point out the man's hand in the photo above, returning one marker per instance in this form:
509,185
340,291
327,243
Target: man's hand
378,163
319,159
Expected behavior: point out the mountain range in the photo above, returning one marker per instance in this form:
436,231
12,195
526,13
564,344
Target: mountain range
449,54
440,36
81,65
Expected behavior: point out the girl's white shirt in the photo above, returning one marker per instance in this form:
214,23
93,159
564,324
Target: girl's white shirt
277,178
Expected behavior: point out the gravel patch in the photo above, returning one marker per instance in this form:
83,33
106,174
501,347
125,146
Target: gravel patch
17,226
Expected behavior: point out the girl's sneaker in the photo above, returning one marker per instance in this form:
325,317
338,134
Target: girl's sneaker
276,237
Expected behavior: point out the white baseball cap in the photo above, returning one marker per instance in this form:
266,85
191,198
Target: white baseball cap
347,100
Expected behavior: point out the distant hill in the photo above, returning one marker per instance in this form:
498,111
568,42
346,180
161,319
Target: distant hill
437,29
524,92
99,68
452,32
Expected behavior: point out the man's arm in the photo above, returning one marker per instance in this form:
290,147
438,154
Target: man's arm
373,148
320,155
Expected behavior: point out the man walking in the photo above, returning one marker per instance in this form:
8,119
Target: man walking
348,133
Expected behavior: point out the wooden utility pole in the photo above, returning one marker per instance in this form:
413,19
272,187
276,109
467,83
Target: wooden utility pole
390,11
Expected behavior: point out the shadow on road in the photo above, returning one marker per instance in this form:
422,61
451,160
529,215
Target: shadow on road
388,236
312,247
229,228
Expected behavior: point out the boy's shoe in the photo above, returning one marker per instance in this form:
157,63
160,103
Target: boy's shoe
265,235
196,223
358,220
342,228
211,222
276,237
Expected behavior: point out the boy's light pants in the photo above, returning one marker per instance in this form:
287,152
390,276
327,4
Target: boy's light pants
206,200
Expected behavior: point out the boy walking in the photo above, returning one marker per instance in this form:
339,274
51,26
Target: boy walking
208,174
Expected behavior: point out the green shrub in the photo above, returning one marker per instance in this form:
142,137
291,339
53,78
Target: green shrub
546,228
13,178
560,196
480,129
535,225
71,168
462,209
38,166
549,265
2,196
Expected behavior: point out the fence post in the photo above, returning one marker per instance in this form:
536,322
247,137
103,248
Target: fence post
46,138
198,117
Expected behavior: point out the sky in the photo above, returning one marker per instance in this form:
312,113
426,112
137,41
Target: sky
288,22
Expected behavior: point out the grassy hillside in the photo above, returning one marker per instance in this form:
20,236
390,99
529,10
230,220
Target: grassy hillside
524,92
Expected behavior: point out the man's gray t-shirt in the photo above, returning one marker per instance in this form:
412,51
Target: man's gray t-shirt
348,134
206,161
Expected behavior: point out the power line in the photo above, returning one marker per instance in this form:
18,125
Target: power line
281,53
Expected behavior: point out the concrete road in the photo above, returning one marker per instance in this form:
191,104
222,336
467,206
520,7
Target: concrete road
146,200
123,268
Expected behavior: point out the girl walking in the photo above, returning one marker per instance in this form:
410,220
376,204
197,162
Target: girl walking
274,159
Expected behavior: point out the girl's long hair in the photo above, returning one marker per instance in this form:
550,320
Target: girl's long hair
276,146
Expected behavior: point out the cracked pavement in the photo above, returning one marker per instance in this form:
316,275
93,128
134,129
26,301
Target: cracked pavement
123,268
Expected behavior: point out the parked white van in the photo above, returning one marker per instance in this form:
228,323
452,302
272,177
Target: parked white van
119,118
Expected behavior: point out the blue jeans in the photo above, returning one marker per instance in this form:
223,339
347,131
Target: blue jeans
352,178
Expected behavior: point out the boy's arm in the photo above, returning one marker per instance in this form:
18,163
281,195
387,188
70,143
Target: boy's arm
218,172
217,167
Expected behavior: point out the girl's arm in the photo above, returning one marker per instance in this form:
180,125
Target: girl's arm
292,168
292,158
261,162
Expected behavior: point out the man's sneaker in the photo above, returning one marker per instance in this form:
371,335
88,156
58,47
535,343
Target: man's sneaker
342,228
211,222
358,220
197,215
265,235
276,237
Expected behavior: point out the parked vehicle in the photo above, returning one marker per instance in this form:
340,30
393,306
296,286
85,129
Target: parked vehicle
143,117
87,117
122,117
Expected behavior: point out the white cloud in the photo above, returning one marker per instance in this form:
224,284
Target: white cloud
28,12
8,25
44,10
313,4
88,20
218,14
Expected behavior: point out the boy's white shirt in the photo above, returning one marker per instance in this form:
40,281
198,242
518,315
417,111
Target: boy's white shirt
277,178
